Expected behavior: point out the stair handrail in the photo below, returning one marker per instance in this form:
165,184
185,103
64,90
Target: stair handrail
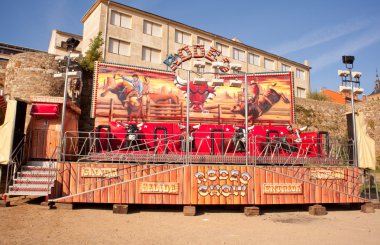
14,163
50,167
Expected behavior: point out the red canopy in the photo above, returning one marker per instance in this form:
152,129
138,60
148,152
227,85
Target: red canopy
46,110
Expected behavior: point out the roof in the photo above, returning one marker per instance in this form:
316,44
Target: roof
18,48
96,4
68,34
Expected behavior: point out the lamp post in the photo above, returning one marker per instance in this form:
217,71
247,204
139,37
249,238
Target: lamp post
349,62
71,44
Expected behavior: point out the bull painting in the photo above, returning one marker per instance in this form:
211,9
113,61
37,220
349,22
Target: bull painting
199,94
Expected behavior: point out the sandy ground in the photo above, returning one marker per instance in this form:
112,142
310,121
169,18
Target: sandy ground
29,223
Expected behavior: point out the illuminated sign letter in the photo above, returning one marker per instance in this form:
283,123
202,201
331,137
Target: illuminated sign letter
211,174
212,54
200,177
182,55
199,51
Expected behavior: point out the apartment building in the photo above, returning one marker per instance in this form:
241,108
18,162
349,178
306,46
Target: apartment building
136,37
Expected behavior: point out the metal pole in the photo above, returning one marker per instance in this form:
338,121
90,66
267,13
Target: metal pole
64,106
187,117
246,117
355,153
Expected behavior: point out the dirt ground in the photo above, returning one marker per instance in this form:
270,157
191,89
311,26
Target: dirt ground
26,222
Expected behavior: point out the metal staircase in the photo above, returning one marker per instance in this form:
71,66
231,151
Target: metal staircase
35,179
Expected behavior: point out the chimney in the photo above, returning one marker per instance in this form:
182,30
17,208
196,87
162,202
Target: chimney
306,62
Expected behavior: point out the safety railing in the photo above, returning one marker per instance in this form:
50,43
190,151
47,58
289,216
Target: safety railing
212,148
15,162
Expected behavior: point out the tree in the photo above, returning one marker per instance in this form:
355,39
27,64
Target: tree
93,54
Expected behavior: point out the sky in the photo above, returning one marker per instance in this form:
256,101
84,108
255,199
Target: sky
318,31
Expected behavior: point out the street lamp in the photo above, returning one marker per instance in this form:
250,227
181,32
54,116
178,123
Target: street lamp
353,88
70,44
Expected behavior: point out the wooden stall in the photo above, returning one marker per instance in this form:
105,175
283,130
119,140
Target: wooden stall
205,184
43,133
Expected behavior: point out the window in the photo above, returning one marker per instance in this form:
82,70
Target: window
300,74
151,55
268,64
205,42
239,54
285,67
121,20
152,29
254,59
118,47
222,48
182,37
301,92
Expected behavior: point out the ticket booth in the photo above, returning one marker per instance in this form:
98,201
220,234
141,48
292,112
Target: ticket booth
44,129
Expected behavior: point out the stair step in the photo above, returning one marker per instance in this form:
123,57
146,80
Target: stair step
45,164
32,182
36,172
34,178
34,175
14,189
37,168
37,186
26,193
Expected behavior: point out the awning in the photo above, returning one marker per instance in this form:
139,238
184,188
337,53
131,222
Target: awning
44,110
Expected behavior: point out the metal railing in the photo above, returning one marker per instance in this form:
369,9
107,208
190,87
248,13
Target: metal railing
15,162
218,148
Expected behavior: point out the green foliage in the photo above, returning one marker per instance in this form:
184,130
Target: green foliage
93,54
315,95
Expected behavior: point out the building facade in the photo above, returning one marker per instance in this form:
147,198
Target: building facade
58,41
135,37
375,95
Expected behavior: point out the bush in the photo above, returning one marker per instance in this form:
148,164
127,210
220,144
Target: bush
93,54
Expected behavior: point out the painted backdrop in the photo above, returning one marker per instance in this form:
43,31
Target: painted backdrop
130,93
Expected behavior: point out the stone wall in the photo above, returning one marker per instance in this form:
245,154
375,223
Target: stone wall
321,115
324,115
3,65
31,74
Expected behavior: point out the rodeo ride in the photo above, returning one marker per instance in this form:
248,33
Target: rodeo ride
222,137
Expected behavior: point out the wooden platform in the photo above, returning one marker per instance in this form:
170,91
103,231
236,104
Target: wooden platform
204,184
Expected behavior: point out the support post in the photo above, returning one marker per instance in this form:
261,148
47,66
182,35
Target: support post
187,117
64,108
246,116
251,211
317,210
189,210
120,209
